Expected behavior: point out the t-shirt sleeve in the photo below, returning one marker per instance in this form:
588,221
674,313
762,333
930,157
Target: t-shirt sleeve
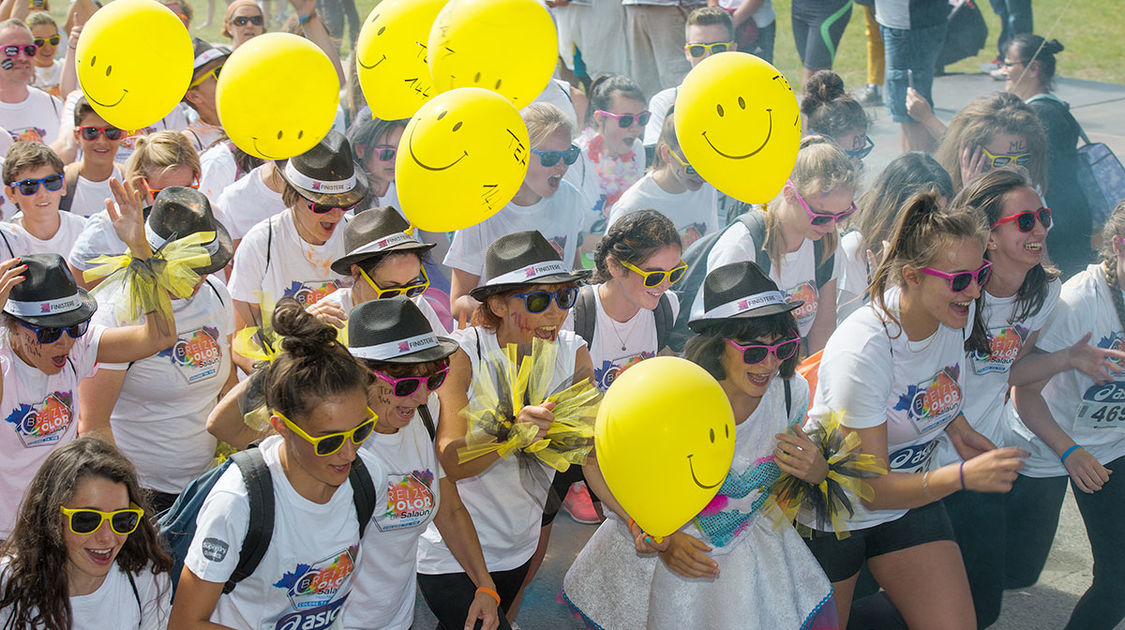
94,241
467,251
1054,289
1072,318
155,591
856,381
220,529
249,271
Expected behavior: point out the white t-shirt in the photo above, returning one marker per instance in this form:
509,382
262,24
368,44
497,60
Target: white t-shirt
89,197
246,203
764,16
796,275
389,198
638,336
1091,414
166,398
343,298
40,413
853,280
35,118
291,267
558,218
986,376
114,604
876,376
603,180
384,588
70,226
305,575
13,242
217,171
506,513
695,213
659,105
47,77
97,238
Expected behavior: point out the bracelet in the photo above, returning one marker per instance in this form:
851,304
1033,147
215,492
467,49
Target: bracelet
1067,453
926,485
630,526
490,592
962,475
304,19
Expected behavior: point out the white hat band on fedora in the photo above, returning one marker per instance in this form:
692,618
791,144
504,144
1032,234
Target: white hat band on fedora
331,187
43,307
530,272
392,349
207,56
749,303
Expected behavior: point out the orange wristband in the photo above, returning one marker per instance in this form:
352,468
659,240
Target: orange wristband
488,591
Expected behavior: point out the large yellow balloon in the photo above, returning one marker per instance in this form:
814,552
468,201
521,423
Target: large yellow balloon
134,62
461,158
739,126
277,96
391,57
507,46
664,439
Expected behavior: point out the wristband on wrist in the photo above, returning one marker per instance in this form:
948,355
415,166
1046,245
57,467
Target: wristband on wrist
304,19
490,592
1067,452
962,471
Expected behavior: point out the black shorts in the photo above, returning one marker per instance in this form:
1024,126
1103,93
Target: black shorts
841,559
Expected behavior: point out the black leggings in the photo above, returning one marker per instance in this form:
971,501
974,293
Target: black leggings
449,595
817,32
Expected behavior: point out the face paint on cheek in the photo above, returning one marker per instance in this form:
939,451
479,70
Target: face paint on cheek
7,64
521,321
384,394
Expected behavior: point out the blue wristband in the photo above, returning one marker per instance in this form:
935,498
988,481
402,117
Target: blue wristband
1067,453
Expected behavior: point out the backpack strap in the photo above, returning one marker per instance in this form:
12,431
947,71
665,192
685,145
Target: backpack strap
428,421
664,321
70,179
259,491
788,400
585,315
136,596
824,268
269,243
755,222
363,493
7,244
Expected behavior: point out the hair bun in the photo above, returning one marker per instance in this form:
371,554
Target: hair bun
822,87
1053,46
302,334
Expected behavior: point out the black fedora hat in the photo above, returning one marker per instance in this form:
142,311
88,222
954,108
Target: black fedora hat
523,258
327,174
394,330
178,212
738,290
373,232
48,295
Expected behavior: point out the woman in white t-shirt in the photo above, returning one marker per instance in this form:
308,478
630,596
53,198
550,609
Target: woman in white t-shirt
817,197
406,377
526,296
1068,398
48,69
545,202
893,373
84,554
673,188
738,563
249,200
316,393
291,254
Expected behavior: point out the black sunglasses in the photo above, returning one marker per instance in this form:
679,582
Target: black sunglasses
47,334
241,20
1025,221
539,301
551,158
52,183
319,209
859,154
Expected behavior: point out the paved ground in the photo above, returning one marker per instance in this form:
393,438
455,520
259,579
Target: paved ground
1099,108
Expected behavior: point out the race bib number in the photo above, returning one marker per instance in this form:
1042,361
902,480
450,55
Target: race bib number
1103,407
318,618
196,355
912,459
805,313
930,404
1004,346
410,501
43,424
309,293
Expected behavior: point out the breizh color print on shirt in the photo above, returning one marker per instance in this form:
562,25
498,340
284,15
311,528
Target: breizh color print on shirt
312,588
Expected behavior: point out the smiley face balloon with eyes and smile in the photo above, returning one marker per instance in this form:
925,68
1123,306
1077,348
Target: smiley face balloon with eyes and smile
664,440
131,89
739,125
277,96
461,158
391,57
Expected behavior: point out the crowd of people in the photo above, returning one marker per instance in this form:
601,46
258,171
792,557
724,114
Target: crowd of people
291,403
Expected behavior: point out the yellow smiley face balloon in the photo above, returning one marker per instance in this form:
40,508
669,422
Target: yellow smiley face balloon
277,96
126,86
664,440
507,46
391,57
739,126
461,158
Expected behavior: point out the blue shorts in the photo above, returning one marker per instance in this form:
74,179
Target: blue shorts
910,56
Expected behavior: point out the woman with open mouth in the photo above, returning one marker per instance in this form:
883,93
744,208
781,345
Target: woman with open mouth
738,563
527,293
84,553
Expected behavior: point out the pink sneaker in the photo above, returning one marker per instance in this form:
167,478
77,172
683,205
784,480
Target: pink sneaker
579,504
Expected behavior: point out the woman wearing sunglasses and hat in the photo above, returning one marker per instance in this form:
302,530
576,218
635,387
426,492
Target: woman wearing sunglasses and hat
84,554
165,398
527,292
291,254
738,563
316,393
50,346
402,395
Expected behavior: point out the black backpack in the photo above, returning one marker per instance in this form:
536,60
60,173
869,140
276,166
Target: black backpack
177,525
696,259
586,318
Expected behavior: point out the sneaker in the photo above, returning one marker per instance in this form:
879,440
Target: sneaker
991,66
579,505
870,96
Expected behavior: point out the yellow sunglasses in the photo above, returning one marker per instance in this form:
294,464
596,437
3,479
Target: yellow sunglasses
654,278
410,290
86,521
214,73
326,445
